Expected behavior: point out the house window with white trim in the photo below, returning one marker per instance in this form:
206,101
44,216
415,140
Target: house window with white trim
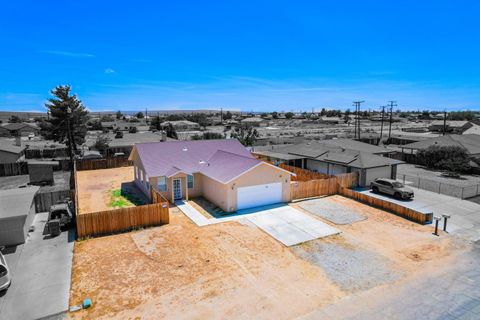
162,184
190,181
147,184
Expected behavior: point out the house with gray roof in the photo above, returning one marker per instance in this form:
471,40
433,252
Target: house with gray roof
330,157
17,210
222,171
469,142
10,151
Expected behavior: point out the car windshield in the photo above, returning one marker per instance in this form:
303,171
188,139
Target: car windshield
397,185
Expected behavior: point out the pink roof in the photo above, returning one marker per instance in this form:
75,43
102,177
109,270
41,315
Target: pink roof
221,160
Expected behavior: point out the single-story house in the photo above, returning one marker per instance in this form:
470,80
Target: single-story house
123,125
222,171
470,142
450,126
10,152
333,160
18,129
17,210
181,125
255,122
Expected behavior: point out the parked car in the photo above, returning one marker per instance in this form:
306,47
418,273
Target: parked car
392,187
60,217
5,276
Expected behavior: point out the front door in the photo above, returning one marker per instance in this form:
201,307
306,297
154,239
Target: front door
177,189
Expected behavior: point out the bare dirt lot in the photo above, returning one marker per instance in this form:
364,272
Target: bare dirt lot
107,189
235,271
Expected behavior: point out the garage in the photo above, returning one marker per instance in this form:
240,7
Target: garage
259,195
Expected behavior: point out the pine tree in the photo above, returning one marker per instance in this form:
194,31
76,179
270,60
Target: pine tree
66,111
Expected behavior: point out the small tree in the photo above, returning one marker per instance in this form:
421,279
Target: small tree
140,115
68,119
289,115
450,158
14,119
101,144
247,135
275,115
227,115
119,115
171,132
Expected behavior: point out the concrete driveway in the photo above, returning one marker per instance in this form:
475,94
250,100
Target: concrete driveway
284,223
41,270
465,215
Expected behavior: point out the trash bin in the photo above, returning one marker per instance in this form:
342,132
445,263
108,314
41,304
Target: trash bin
54,227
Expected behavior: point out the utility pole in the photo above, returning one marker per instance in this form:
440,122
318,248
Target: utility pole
381,128
221,115
70,140
357,119
444,121
391,104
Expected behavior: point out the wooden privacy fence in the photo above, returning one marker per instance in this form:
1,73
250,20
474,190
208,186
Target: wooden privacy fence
96,164
13,169
157,197
117,220
313,188
410,214
347,180
44,200
303,174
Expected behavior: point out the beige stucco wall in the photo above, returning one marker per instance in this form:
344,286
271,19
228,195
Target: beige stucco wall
215,192
262,174
196,191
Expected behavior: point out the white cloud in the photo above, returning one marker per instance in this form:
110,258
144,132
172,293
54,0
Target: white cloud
69,54
109,71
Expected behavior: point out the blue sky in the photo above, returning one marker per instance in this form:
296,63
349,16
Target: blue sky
248,55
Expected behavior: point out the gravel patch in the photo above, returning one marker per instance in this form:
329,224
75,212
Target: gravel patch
351,268
332,211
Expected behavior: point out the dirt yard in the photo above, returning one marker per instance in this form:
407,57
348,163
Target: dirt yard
236,271
107,189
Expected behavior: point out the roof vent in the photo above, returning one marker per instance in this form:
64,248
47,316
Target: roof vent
201,162
185,149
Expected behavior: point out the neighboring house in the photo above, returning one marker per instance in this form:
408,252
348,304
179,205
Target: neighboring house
354,145
125,125
255,122
17,210
127,141
9,152
457,127
333,160
222,171
181,125
18,129
470,142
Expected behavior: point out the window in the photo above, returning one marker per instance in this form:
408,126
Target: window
162,183
146,182
190,181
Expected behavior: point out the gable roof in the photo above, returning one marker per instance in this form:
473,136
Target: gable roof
20,125
334,154
221,160
16,202
471,142
8,146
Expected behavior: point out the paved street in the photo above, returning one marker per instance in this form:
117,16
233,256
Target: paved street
465,215
41,271
450,293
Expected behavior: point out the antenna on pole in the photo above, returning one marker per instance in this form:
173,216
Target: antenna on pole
391,104
357,119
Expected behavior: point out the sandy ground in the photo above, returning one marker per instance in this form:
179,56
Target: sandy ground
181,271
236,271
95,186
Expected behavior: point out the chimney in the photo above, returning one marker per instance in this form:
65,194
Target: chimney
18,141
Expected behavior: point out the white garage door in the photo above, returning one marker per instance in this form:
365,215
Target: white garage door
259,195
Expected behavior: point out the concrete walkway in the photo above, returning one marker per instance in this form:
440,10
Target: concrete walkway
284,223
41,276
